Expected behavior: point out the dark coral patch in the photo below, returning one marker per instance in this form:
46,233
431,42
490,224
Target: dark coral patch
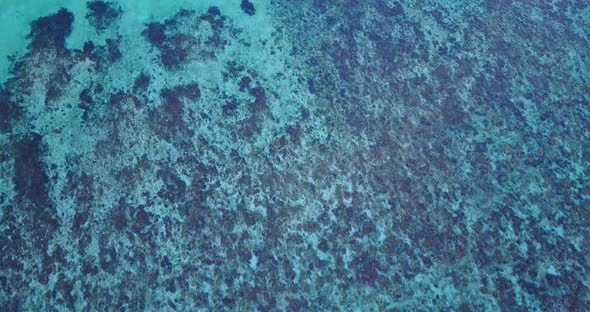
366,269
172,98
142,219
259,103
251,126
393,8
167,120
113,51
156,34
217,22
51,31
119,216
86,97
108,259
247,7
102,14
177,51
453,113
142,82
9,234
88,48
98,89
174,47
214,18
295,132
297,304
230,106
174,188
89,268
80,220
30,176
9,111
57,84
53,92
116,99
82,185
32,187
244,83
102,55
124,104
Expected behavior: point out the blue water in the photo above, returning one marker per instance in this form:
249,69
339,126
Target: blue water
295,156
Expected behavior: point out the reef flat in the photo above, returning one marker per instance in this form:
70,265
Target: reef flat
303,155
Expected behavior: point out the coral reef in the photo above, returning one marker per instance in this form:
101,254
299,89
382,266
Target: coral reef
299,156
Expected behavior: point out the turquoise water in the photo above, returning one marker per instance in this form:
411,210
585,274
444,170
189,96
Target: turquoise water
295,155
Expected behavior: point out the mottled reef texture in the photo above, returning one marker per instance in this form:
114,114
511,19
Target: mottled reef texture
437,158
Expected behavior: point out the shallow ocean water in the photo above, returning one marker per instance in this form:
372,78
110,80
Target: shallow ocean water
300,155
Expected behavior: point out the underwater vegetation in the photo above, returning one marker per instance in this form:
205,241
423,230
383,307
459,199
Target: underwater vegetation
298,156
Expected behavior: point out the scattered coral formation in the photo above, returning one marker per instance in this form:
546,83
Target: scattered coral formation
376,156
